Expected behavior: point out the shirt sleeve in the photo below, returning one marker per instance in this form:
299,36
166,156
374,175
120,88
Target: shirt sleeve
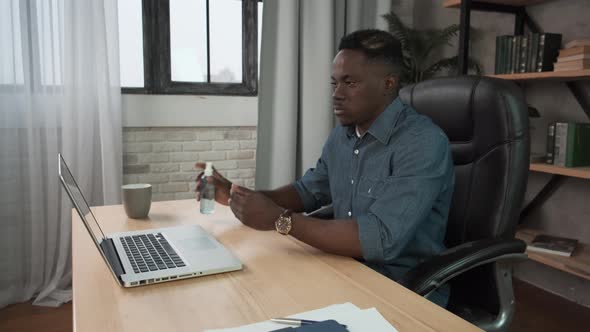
422,169
314,187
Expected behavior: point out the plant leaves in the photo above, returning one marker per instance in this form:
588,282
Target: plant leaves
417,47
442,37
397,28
450,64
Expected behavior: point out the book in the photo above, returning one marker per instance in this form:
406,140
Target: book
561,129
550,143
578,151
572,65
509,54
574,51
532,53
497,57
523,54
572,144
578,42
581,56
553,245
329,325
549,45
560,148
515,61
505,53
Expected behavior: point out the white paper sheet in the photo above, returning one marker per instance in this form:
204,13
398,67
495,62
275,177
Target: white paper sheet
348,314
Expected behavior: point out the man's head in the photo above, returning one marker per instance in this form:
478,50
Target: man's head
365,76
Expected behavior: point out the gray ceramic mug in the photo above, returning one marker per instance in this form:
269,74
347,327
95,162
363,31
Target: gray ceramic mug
137,199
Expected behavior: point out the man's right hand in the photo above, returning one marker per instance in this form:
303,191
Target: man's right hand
222,185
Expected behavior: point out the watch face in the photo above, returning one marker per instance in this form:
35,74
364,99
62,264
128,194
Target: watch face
283,225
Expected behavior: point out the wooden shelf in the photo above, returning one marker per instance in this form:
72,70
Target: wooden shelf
516,3
578,264
563,76
576,172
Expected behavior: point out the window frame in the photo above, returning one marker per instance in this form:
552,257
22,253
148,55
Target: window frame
156,55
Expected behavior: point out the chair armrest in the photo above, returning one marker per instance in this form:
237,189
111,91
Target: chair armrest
435,272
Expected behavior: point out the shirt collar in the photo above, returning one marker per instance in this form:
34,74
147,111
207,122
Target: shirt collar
382,127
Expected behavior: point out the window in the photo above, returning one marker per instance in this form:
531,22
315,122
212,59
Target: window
189,46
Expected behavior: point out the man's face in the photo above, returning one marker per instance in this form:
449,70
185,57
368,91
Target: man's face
358,88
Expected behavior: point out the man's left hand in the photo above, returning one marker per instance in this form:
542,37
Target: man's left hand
253,208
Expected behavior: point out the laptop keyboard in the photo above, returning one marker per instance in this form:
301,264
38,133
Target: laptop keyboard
150,252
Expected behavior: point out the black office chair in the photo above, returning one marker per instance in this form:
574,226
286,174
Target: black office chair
487,124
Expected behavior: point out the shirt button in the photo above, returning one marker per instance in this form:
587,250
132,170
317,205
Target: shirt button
349,213
356,151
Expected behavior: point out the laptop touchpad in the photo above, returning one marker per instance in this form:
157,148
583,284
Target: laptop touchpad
198,244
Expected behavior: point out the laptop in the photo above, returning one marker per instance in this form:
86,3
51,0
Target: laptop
151,256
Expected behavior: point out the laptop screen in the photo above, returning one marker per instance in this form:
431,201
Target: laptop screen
79,201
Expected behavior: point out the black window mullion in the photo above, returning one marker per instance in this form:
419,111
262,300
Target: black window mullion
149,34
250,45
161,52
208,44
149,44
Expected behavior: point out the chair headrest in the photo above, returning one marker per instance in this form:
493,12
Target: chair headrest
477,113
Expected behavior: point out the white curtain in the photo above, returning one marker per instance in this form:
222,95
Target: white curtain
299,41
59,92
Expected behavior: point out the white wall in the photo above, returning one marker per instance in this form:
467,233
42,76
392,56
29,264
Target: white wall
164,135
189,111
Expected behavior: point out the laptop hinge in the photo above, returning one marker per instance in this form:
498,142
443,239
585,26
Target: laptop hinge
108,247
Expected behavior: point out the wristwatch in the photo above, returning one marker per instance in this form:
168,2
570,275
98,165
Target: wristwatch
284,222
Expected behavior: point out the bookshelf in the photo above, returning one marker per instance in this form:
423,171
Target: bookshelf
556,76
576,172
518,3
578,264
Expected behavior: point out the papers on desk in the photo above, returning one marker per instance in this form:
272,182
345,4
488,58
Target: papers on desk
347,314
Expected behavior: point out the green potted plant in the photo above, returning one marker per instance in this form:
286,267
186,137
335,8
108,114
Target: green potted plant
419,47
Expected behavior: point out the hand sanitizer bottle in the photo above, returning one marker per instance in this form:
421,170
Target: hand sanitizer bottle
207,191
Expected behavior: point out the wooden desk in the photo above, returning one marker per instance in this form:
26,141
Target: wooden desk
281,276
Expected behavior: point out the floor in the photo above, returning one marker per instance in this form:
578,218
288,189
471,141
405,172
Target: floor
25,317
540,311
536,311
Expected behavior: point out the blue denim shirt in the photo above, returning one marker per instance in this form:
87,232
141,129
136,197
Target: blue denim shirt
396,181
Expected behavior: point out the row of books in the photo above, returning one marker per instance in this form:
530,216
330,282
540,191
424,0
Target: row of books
574,58
568,144
526,53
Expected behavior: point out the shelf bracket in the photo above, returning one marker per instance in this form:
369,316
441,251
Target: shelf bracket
530,23
550,187
519,19
581,96
464,27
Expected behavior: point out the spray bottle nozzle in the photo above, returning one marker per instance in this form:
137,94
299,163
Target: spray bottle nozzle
209,169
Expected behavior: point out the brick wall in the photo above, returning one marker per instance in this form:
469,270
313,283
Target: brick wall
165,157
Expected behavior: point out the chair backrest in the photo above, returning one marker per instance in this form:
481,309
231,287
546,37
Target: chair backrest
486,121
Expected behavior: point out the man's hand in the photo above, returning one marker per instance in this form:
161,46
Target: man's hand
253,208
222,185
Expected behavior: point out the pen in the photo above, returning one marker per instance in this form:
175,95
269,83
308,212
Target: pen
293,321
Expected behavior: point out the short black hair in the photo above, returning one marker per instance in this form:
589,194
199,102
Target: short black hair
377,45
